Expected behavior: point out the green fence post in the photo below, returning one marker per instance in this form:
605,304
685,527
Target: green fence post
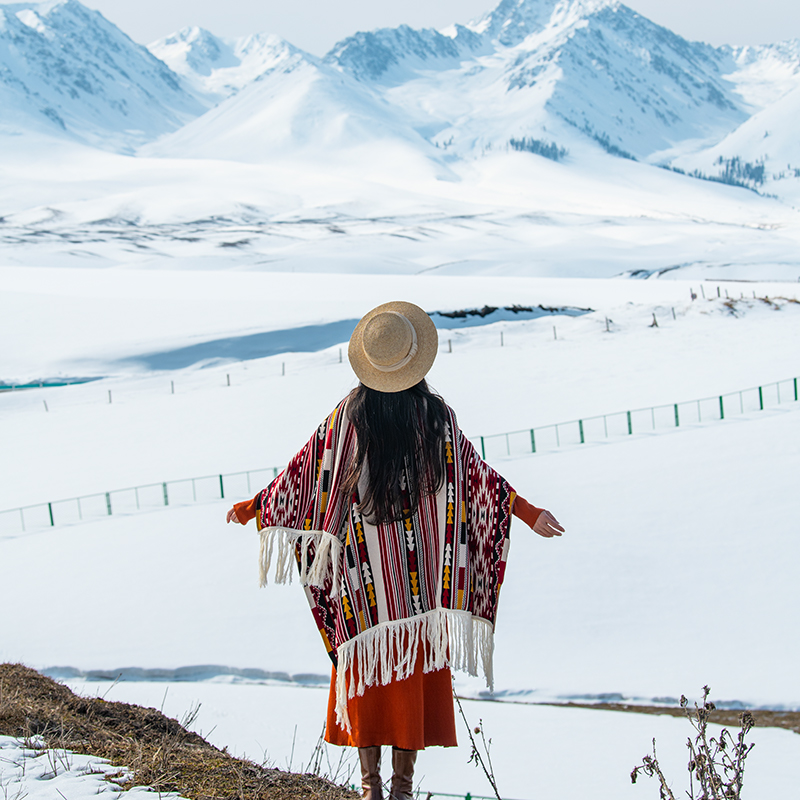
483,449
760,399
166,496
221,489
677,417
630,424
580,427
50,509
533,441
108,503
795,390
721,408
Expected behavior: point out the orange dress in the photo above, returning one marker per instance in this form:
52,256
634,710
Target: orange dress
411,714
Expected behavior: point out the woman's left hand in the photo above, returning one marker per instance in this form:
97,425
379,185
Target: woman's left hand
231,517
547,525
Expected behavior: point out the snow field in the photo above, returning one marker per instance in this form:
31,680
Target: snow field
149,435
676,569
506,213
537,751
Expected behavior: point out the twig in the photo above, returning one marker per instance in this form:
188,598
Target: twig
116,681
291,755
475,755
163,699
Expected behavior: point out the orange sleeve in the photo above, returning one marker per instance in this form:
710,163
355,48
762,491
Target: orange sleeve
246,510
525,511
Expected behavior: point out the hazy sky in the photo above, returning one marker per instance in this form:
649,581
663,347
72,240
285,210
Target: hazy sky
315,25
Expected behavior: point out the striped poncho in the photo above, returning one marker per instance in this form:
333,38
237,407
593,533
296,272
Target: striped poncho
379,593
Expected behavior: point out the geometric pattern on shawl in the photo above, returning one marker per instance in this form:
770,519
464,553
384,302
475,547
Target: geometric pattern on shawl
380,593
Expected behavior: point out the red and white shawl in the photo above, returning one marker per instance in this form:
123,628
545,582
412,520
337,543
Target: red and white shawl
378,593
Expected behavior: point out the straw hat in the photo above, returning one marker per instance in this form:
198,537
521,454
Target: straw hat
393,347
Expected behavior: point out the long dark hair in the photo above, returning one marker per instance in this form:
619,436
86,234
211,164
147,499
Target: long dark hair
400,438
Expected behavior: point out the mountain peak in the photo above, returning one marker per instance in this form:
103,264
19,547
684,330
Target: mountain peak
65,68
213,68
511,21
194,50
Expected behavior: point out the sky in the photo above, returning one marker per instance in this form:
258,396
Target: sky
316,25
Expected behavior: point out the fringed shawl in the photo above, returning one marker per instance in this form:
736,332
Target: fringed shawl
379,593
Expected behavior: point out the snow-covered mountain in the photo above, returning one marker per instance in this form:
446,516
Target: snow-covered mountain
393,55
764,151
766,72
551,76
555,77
66,70
535,68
215,68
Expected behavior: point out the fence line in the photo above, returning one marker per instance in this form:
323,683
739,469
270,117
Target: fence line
135,498
513,443
639,420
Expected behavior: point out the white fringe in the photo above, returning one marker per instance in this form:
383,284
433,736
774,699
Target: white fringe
389,651
327,556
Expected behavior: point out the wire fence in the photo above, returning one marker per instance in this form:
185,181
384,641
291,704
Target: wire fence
514,443
640,420
136,498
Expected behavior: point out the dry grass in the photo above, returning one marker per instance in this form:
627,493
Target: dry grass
159,750
764,718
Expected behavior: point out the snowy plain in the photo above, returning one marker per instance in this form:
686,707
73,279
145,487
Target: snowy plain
385,209
677,568
537,751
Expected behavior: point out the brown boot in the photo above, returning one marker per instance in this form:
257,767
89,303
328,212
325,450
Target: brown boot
370,758
403,773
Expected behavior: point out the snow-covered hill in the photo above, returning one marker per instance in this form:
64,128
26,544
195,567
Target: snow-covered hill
66,70
304,109
764,151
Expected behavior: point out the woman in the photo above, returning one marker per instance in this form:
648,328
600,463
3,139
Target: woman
400,532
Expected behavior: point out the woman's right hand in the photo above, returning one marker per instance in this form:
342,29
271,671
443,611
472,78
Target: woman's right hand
231,517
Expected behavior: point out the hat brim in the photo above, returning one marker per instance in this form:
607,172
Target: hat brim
411,373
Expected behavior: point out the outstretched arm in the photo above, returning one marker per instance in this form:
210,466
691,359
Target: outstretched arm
242,513
538,519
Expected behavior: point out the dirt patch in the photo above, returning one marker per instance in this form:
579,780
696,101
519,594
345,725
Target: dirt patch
159,750
790,720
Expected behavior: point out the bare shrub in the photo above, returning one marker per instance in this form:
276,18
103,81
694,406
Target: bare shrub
716,764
